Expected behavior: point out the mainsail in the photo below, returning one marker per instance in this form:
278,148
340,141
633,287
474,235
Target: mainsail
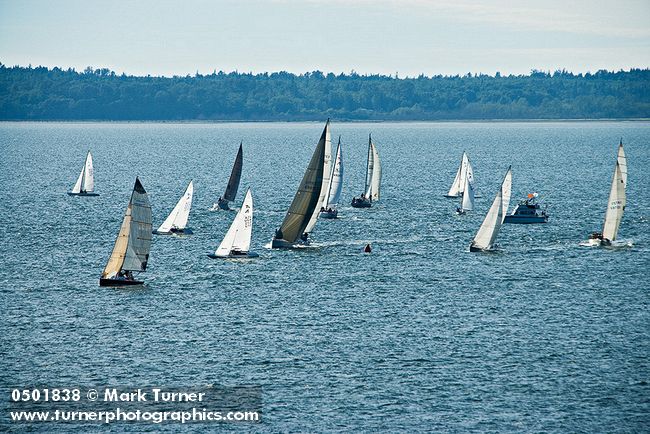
238,237
491,225
307,198
133,243
86,180
235,177
373,172
616,203
177,219
327,169
336,184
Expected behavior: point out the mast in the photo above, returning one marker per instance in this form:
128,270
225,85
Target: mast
306,200
133,243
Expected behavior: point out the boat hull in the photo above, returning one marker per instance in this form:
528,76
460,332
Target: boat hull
451,196
473,248
223,204
119,282
282,244
186,231
361,203
521,220
83,194
329,214
246,255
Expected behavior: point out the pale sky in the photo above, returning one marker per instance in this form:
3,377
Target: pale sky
409,37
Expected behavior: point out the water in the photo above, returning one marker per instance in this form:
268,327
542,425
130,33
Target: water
420,335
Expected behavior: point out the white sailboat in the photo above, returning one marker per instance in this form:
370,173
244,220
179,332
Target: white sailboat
133,243
487,233
176,222
233,182
467,202
464,174
309,197
237,242
615,204
85,184
336,186
372,192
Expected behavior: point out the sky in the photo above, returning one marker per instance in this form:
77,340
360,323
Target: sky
404,37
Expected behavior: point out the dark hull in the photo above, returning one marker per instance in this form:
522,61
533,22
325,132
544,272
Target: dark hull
281,244
83,194
361,203
514,219
452,197
223,204
119,282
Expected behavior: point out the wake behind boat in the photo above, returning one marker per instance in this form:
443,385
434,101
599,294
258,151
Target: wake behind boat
176,222
85,184
305,207
233,182
487,233
373,179
615,204
236,244
133,244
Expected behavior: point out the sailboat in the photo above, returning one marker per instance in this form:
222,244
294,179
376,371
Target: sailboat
133,244
233,182
467,201
373,179
306,204
615,204
176,222
336,186
85,184
237,242
465,172
487,233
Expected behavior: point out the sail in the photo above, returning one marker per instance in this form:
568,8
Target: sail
369,167
235,177
240,233
77,185
458,185
376,175
616,205
468,196
177,219
89,175
491,225
133,243
327,173
336,184
307,197
622,161
469,172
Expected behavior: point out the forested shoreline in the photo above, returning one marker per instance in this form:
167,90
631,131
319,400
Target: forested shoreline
41,93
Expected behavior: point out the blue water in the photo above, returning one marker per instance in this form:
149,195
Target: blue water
420,335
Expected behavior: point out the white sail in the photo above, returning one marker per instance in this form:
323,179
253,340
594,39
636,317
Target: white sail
89,174
491,225
369,167
177,219
375,182
622,161
133,243
462,173
239,235
336,184
616,205
468,196
327,173
86,180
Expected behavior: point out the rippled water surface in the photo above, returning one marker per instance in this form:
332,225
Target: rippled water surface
420,335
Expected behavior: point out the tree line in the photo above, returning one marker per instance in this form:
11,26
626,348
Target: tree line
40,93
